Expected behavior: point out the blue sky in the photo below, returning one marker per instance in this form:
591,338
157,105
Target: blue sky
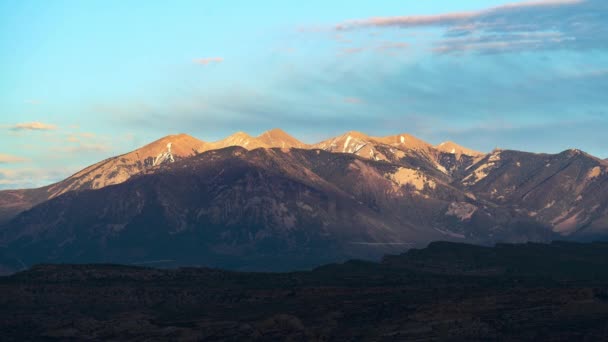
83,81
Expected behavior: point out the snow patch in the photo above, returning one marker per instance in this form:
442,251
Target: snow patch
346,143
164,156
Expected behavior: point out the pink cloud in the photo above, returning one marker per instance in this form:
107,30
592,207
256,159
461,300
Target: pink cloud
446,18
393,45
406,21
208,60
33,126
537,3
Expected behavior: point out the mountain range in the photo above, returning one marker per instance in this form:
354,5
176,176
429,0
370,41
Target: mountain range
272,202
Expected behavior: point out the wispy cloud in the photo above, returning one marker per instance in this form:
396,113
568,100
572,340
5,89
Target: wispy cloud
519,26
9,159
29,177
80,147
500,43
208,60
33,126
446,18
393,46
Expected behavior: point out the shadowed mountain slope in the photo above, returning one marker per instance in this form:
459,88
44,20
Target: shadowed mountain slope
567,191
185,202
263,209
118,169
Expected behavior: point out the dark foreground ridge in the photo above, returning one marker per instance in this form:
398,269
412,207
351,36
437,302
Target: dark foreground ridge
448,291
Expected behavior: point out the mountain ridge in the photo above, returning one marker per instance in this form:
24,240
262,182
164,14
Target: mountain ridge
246,207
117,169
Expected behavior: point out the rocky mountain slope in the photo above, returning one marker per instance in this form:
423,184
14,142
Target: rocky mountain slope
262,209
111,171
445,160
271,202
453,148
272,138
118,169
566,191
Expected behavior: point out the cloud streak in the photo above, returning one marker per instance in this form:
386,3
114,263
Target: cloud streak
33,126
23,178
208,60
9,159
446,18
520,26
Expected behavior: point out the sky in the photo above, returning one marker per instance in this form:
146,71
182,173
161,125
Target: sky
81,81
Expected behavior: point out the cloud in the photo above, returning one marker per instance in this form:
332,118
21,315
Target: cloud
406,21
80,147
500,43
545,137
7,159
208,60
393,45
520,26
23,178
456,92
418,93
446,18
33,126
